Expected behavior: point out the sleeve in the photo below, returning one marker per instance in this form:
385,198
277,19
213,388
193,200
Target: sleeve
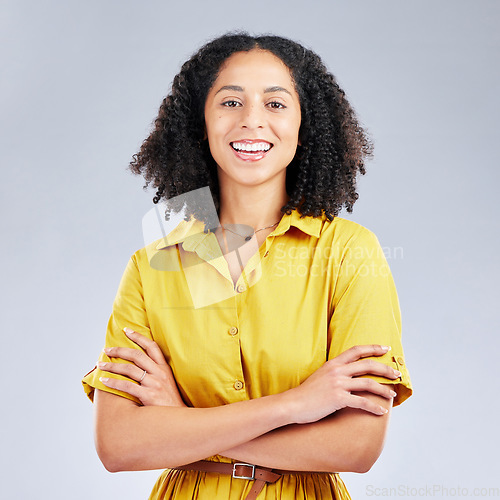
128,311
365,308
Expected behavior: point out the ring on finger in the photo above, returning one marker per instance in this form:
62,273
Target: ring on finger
143,375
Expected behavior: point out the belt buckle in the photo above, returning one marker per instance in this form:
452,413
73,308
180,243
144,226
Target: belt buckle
239,464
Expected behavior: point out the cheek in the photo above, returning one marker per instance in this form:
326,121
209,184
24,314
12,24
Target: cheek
217,125
291,131
216,137
219,131
287,125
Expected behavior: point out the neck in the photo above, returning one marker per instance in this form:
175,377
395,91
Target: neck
255,206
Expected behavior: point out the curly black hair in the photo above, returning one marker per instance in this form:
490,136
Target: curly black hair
176,159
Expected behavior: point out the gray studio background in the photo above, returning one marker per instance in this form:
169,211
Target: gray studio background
81,83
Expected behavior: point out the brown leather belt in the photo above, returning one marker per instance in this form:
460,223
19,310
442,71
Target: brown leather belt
261,475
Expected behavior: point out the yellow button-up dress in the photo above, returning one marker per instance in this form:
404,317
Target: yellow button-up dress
313,289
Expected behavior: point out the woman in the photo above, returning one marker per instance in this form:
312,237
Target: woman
267,336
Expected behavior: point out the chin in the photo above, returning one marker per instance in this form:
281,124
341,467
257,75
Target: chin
255,180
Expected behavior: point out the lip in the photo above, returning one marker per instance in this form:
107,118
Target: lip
251,157
251,141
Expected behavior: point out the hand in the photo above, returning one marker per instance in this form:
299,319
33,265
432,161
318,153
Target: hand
330,387
156,386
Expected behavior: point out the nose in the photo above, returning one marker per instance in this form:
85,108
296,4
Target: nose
252,117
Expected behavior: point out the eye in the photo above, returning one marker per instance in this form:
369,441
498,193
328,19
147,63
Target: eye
276,105
231,104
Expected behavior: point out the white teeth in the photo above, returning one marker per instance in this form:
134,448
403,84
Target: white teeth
257,146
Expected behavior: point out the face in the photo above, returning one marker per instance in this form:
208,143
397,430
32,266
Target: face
252,119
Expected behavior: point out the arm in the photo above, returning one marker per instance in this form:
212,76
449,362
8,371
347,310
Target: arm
350,440
133,437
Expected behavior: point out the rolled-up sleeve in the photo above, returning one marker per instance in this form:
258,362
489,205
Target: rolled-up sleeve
365,308
128,311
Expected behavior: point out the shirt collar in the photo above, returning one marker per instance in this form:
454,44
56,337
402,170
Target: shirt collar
309,225
191,233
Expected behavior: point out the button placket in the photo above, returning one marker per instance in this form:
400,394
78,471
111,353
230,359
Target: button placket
236,384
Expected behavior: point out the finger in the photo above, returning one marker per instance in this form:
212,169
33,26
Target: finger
361,351
130,371
150,346
369,385
139,358
123,386
365,404
370,366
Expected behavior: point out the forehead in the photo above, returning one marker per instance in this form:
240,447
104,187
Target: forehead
255,66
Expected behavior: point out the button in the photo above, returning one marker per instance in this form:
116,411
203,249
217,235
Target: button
233,330
400,360
241,288
238,385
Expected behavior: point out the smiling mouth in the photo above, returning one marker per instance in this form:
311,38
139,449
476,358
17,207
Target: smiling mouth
251,148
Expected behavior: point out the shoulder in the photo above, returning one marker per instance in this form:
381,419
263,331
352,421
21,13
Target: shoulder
346,233
160,253
155,256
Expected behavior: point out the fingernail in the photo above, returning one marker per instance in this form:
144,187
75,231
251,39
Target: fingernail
100,364
107,350
128,330
397,373
386,347
384,410
393,394
103,379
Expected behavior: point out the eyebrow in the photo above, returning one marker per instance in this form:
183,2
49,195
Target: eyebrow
237,88
276,89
